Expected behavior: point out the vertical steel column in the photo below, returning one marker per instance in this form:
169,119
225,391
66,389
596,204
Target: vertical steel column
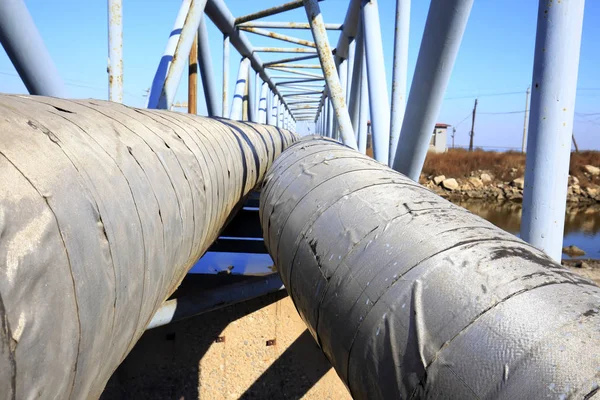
555,69
240,89
115,51
357,73
225,107
330,111
161,96
262,104
446,22
26,50
277,123
378,92
257,90
206,70
399,73
350,73
364,111
249,100
334,87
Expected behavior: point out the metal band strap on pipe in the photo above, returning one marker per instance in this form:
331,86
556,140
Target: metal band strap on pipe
103,210
410,296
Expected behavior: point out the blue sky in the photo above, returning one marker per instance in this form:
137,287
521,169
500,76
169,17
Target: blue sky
494,63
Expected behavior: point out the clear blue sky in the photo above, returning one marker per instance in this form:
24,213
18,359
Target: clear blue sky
495,58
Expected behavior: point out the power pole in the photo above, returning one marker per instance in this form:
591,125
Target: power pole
473,127
575,143
525,120
453,133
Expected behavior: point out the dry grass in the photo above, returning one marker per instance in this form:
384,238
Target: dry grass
459,163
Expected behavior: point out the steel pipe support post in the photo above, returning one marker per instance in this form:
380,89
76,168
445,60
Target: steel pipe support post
334,87
378,91
164,87
206,71
399,73
115,51
411,296
446,23
553,92
108,209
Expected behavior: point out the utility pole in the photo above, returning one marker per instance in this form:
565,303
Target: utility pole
473,126
453,133
525,120
575,143
193,78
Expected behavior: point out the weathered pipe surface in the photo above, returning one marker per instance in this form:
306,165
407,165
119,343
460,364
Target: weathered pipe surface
103,209
410,296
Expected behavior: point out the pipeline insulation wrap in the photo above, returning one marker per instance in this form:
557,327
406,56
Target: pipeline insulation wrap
103,210
410,296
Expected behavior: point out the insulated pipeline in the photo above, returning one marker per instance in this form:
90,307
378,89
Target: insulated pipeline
410,296
103,209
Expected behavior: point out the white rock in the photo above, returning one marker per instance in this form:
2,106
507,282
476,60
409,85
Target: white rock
592,170
519,183
439,179
450,184
476,182
485,178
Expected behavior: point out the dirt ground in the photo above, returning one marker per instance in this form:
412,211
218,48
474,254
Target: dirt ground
259,349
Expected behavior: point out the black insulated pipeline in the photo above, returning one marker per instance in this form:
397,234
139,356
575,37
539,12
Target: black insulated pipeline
103,210
411,297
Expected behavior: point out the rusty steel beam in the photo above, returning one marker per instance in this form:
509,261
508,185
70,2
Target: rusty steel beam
279,36
292,5
289,60
285,25
108,208
284,50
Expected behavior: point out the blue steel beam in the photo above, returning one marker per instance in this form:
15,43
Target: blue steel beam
399,73
446,22
206,70
25,48
553,90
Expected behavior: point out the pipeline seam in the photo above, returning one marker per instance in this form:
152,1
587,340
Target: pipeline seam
200,170
137,213
71,273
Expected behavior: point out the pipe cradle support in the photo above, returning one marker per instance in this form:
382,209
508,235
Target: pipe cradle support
410,296
103,210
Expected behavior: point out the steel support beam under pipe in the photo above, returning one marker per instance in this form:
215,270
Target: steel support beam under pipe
334,88
206,71
553,92
25,48
163,91
204,301
414,297
285,25
399,73
446,23
378,91
115,50
140,195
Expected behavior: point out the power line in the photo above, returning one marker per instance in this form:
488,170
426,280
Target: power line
502,112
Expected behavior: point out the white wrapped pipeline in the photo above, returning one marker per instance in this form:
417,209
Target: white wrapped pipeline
410,296
103,209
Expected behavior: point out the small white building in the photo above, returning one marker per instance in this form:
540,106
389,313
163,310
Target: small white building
438,142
